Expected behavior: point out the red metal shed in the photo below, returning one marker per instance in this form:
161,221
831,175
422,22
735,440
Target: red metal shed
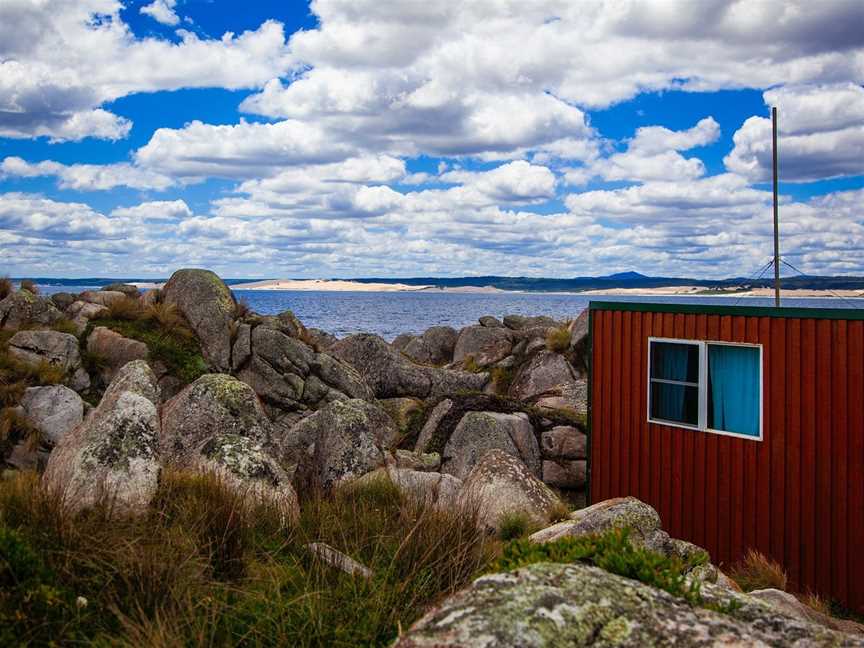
787,480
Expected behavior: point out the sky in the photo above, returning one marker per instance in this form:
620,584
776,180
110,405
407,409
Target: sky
404,138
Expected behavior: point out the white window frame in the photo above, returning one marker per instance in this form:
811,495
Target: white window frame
702,386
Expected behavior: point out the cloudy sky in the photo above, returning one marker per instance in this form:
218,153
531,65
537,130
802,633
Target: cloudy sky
415,138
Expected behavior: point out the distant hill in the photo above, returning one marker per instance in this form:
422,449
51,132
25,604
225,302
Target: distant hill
542,284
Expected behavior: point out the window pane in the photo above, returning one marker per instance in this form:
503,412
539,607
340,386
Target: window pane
675,403
672,361
733,389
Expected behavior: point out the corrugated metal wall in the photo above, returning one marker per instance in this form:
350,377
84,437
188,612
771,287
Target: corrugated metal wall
797,496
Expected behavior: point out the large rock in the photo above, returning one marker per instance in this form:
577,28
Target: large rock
247,469
565,473
572,398
23,307
430,427
53,348
215,404
288,373
390,374
791,606
208,305
479,432
127,289
484,344
112,456
500,485
350,437
546,605
81,312
522,322
579,329
434,347
545,373
53,410
564,442
114,350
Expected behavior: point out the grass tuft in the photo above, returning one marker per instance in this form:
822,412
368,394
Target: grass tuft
515,525
502,378
558,339
757,571
125,308
469,363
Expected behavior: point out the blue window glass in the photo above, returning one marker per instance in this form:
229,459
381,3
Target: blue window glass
674,383
734,379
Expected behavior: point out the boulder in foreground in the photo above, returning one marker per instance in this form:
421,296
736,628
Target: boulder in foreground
546,605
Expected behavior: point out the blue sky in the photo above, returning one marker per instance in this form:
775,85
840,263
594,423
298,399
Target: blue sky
362,138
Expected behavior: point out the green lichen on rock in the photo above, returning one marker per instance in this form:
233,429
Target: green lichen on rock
242,457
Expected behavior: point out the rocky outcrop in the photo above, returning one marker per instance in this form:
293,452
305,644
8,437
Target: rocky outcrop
286,372
101,297
546,605
52,348
390,374
565,473
485,345
215,404
521,322
246,468
111,458
564,442
53,410
490,322
23,307
208,305
127,289
618,513
791,606
114,350
434,347
479,432
500,485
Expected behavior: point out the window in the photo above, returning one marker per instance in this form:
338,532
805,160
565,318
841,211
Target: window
710,386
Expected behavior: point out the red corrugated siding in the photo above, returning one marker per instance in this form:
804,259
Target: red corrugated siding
796,496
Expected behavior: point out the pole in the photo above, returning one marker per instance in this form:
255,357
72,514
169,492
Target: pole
776,213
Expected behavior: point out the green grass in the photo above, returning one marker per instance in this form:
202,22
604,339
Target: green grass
613,552
180,353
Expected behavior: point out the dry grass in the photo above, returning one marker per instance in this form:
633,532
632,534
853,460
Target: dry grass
6,287
169,319
30,286
757,571
200,569
125,308
558,339
816,603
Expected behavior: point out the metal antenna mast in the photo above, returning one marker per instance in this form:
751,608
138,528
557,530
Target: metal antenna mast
776,214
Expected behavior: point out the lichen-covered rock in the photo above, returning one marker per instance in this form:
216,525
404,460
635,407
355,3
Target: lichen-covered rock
241,350
53,410
246,468
429,488
479,432
23,307
112,456
579,330
565,473
564,442
485,345
390,374
500,484
54,348
208,305
422,461
215,404
572,398
618,513
434,346
544,373
114,350
546,605
791,606
351,438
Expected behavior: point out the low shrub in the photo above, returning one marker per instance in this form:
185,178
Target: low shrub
558,339
757,571
470,364
6,287
30,286
515,525
65,326
611,551
502,378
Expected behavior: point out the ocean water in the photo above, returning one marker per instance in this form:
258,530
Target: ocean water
390,313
